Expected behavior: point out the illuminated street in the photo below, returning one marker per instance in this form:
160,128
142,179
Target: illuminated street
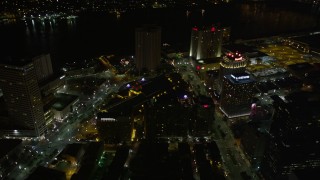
159,90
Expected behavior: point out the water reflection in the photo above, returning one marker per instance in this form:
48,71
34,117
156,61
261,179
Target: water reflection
260,19
248,20
91,35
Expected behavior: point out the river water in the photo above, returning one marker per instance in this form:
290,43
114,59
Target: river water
91,35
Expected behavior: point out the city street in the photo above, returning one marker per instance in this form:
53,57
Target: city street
44,151
234,160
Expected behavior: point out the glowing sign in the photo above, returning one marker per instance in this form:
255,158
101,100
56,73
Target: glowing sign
108,119
213,29
239,77
238,59
195,29
205,105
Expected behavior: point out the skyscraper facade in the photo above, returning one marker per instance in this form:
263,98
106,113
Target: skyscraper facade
294,136
22,97
236,95
148,47
205,43
43,66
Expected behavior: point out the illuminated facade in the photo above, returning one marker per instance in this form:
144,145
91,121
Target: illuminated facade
236,95
232,63
148,47
22,97
206,43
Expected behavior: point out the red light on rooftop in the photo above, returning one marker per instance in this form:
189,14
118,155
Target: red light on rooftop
195,29
235,56
205,105
213,29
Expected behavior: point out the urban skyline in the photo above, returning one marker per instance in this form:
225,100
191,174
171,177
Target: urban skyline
206,107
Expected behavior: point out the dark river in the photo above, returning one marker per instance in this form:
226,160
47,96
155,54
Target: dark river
91,35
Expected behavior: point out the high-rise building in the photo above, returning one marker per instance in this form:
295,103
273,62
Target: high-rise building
206,43
19,84
148,47
231,63
236,95
43,66
294,136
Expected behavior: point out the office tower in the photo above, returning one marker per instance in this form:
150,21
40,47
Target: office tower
294,136
43,66
231,63
148,47
205,43
19,84
236,95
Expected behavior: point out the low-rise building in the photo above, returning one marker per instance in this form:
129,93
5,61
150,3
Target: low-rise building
63,105
9,148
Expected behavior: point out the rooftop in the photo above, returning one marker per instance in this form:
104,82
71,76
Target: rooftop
16,61
8,145
72,149
209,60
239,78
301,67
125,106
311,40
53,77
241,48
207,28
302,105
148,28
42,172
63,100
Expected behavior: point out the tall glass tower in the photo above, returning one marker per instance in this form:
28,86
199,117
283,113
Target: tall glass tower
19,84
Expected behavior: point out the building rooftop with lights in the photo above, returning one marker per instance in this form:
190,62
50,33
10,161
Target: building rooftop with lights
206,42
231,63
139,106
